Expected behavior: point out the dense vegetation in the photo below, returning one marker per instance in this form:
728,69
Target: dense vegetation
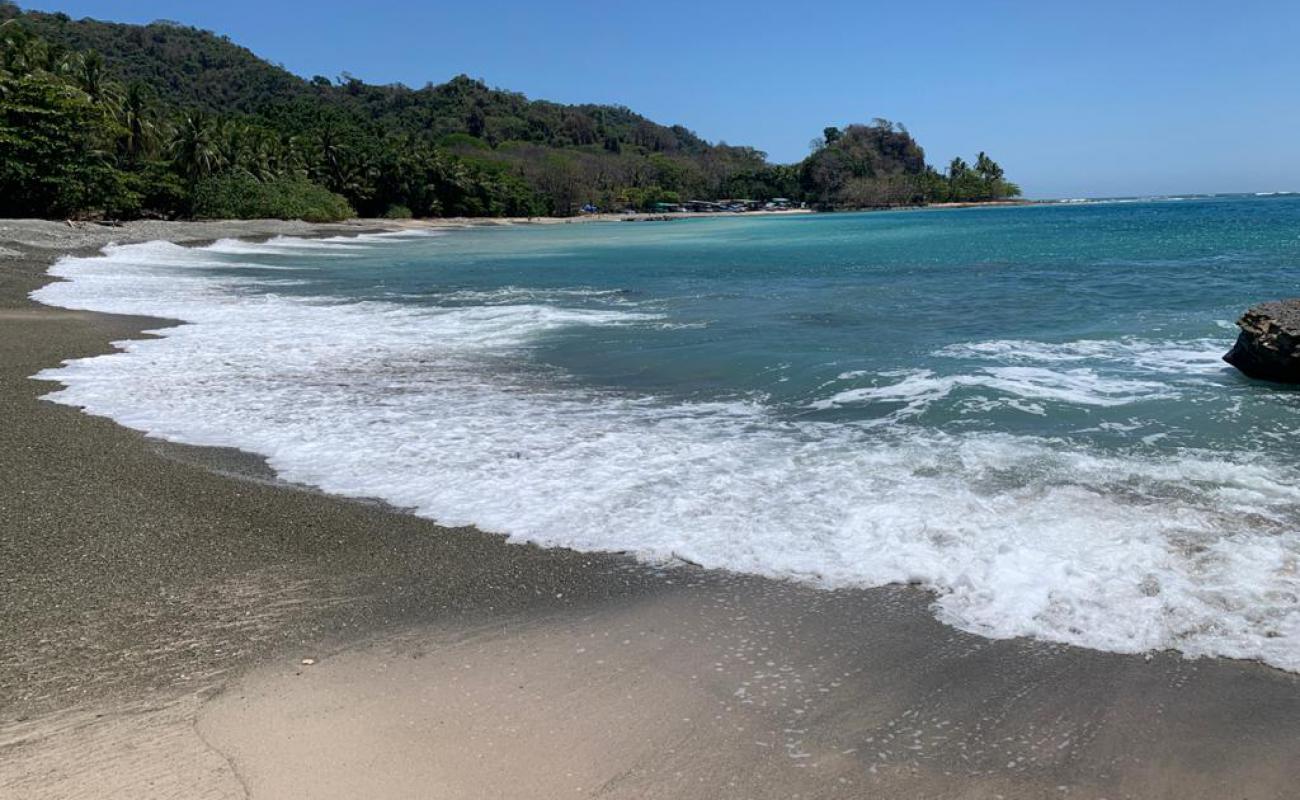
876,165
112,120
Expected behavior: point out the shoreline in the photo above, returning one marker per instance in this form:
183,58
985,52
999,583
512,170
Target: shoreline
47,234
174,591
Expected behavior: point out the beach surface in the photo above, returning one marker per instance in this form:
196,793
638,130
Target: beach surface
176,623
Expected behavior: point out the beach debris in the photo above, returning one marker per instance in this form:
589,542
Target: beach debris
307,662
1269,345
676,556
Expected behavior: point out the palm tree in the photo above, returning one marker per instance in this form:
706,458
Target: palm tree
331,153
290,156
259,154
988,168
140,131
12,40
355,181
21,52
230,139
91,76
193,147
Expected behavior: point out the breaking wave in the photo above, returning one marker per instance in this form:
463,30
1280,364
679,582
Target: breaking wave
437,409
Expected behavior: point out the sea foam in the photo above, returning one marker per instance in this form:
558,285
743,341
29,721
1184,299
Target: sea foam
437,410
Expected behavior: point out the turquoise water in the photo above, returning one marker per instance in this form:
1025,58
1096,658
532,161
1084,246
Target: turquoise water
1103,322
1023,409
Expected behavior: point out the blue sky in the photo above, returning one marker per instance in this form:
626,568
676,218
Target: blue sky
1073,98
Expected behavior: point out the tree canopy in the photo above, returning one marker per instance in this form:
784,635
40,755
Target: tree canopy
108,119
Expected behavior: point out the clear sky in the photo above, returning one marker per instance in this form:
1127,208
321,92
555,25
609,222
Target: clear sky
1073,97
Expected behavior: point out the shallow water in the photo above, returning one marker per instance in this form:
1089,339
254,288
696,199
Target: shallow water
1022,408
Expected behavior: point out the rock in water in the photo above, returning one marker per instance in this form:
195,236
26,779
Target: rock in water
1269,345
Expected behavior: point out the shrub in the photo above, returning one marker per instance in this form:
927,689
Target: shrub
51,136
241,196
397,212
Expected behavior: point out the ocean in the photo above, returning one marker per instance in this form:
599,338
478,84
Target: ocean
1022,409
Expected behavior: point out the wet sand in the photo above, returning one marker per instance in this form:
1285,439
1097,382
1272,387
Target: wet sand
157,602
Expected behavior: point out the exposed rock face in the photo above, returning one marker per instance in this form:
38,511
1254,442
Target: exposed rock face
1269,345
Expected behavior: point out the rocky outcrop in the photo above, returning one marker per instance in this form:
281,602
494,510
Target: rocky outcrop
1269,345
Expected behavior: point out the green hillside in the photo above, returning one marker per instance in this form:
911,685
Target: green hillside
100,118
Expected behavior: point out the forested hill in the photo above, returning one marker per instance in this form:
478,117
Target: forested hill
100,118
192,68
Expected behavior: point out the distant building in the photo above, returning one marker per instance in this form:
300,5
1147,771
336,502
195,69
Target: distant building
702,206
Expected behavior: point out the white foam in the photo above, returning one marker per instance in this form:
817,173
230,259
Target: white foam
509,295
282,245
427,408
917,389
1178,357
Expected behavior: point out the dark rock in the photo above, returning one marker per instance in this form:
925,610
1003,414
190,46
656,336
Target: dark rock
1269,345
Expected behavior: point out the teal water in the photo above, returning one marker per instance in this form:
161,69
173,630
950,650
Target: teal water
1102,322
1023,409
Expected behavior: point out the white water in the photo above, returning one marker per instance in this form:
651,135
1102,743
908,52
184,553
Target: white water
1179,358
428,409
918,388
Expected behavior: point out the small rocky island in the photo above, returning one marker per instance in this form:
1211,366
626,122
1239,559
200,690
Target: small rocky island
1269,345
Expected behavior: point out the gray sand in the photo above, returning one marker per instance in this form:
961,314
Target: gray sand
157,602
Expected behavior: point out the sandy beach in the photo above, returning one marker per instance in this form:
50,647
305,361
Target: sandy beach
176,623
